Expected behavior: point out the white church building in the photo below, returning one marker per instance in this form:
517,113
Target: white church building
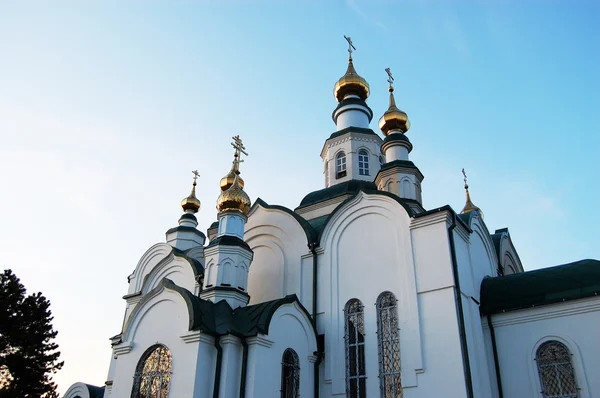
268,304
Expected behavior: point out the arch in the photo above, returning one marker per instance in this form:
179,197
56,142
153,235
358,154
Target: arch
354,340
153,373
340,164
363,162
555,370
388,341
290,374
576,363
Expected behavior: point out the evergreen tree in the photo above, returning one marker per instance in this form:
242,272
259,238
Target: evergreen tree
28,353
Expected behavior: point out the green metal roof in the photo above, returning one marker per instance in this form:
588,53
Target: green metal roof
344,188
353,130
545,286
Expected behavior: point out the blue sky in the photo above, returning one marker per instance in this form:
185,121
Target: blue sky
106,107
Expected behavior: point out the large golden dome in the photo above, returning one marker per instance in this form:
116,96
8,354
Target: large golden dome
234,199
351,83
191,203
394,118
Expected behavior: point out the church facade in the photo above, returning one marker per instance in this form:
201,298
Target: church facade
358,292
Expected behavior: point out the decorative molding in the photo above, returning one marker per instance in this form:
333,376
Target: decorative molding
260,340
312,358
556,310
123,348
191,337
431,219
230,339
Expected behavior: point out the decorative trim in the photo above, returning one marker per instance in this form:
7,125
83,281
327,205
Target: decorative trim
123,348
191,337
312,358
260,340
230,339
443,216
557,310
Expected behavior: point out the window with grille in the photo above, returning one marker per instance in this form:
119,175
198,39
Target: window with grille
153,374
555,368
388,339
340,165
363,162
290,374
356,377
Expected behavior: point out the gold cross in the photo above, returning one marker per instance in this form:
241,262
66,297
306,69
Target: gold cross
350,46
390,77
239,148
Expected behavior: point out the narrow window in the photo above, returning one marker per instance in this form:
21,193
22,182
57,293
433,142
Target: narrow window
153,374
290,374
388,339
557,376
355,350
381,162
363,162
340,165
326,173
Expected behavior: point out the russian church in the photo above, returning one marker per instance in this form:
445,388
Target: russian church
268,304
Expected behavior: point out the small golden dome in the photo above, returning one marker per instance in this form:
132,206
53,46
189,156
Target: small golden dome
469,205
351,83
234,199
227,181
191,203
394,118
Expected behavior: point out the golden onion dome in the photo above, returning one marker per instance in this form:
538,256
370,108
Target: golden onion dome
234,199
227,181
393,118
191,203
351,83
469,205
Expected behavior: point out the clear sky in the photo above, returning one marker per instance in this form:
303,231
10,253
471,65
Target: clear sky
107,106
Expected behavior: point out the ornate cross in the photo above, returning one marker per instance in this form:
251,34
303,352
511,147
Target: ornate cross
196,175
239,147
350,46
464,174
390,77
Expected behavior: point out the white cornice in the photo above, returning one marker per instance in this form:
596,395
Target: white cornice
191,336
442,216
229,339
123,348
349,136
259,340
549,311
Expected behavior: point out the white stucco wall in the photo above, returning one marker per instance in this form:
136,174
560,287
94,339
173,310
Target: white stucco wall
520,333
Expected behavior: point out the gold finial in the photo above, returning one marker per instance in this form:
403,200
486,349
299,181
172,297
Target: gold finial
393,119
350,47
390,79
239,147
351,82
191,203
469,206
233,198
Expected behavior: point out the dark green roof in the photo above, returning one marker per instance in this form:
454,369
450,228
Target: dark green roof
186,229
398,163
344,188
228,240
395,137
95,392
540,287
214,225
219,319
353,130
319,223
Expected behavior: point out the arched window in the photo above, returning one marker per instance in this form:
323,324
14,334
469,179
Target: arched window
556,370
290,374
388,339
340,165
363,162
356,377
153,374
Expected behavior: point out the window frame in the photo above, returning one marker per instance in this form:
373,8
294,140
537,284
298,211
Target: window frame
140,374
363,162
543,381
294,365
354,322
388,304
340,165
